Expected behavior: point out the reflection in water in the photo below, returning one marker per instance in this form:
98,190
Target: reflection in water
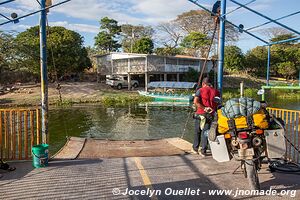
126,123
130,123
285,104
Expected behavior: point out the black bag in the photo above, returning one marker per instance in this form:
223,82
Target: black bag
5,166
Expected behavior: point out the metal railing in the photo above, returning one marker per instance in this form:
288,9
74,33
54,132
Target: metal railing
292,126
19,131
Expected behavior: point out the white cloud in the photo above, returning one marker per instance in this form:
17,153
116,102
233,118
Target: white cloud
162,9
133,11
7,11
16,27
28,5
76,27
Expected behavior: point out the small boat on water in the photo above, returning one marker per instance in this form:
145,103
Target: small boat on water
169,87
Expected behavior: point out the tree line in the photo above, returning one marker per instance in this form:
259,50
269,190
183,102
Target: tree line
190,33
284,62
20,54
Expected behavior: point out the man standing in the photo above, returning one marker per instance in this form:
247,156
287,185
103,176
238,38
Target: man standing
205,109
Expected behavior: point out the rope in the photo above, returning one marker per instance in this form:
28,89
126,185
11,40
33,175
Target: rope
185,125
207,55
201,74
58,87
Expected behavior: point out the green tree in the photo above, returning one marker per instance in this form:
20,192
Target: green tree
287,69
106,39
256,61
284,37
202,21
172,33
131,33
65,51
234,60
191,76
8,53
285,54
168,51
143,45
194,43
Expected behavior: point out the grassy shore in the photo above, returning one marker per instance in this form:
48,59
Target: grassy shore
71,93
91,92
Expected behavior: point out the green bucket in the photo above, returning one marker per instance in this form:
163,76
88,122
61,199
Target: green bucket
40,155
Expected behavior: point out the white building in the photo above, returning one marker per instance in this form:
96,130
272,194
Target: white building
146,68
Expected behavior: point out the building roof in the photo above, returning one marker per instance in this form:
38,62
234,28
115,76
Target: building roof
186,56
137,55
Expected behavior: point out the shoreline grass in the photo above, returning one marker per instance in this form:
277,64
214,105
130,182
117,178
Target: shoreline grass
122,98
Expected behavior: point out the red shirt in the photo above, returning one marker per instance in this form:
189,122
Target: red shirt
206,96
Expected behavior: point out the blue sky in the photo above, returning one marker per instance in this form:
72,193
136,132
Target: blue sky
83,15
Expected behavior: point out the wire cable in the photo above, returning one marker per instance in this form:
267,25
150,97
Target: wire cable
239,7
268,22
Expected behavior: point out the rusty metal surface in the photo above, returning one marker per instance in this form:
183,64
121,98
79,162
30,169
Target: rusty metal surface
143,148
71,149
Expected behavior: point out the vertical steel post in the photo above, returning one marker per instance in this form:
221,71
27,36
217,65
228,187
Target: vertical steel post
43,63
221,46
268,65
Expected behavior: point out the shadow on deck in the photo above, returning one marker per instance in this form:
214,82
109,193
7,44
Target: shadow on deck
97,173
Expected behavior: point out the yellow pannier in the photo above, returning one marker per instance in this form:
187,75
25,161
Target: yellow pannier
260,120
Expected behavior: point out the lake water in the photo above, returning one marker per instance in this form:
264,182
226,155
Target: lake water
126,123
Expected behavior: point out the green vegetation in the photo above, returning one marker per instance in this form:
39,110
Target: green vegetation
144,45
124,100
285,59
191,76
234,60
284,94
256,61
107,99
132,39
270,94
131,34
7,54
20,55
106,40
194,43
168,51
235,93
189,33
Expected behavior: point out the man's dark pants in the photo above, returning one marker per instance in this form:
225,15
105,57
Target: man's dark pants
200,136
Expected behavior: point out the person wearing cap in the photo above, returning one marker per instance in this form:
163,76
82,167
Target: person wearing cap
205,109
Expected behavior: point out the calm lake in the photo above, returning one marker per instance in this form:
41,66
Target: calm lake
126,123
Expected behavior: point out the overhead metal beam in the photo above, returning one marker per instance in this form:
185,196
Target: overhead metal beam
266,17
251,34
284,41
9,21
5,16
4,2
239,7
268,22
